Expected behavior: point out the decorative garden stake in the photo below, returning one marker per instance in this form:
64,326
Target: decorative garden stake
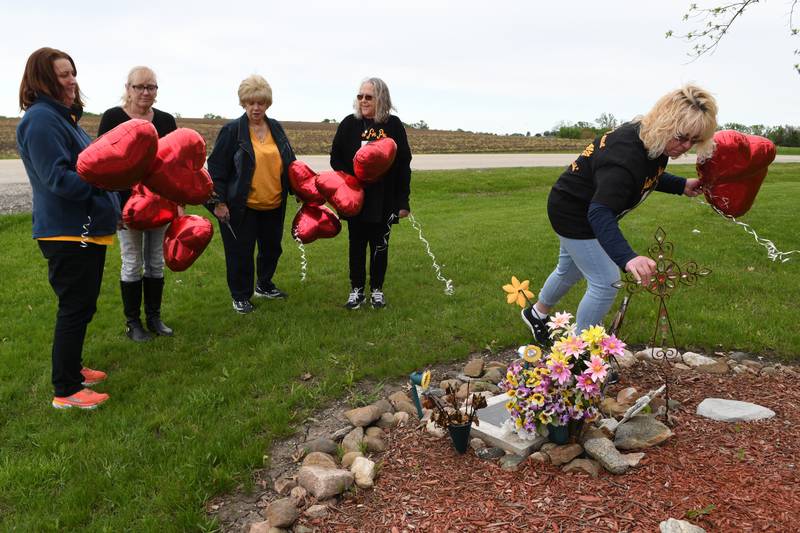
668,276
421,379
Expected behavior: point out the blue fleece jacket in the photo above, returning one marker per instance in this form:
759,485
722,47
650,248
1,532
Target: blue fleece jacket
49,141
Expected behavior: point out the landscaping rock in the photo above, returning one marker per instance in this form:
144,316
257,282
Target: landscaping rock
755,365
611,407
282,513
339,434
324,482
283,485
490,453
406,407
476,387
321,445
349,457
641,431
375,444
539,457
695,359
477,444
496,364
594,432
672,525
401,418
718,367
627,395
435,430
770,371
352,442
363,416
583,465
647,354
605,453
386,421
732,410
453,383
626,360
316,511
474,368
564,453
320,459
494,375
298,496
364,472
374,431
511,462
608,425
259,527
399,396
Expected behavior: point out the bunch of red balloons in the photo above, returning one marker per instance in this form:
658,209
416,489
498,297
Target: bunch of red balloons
162,174
344,192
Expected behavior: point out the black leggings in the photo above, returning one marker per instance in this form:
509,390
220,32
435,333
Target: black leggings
377,236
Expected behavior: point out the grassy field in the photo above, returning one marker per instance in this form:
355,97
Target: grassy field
315,138
191,416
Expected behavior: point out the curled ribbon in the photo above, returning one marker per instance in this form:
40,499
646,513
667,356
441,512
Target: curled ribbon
303,260
448,283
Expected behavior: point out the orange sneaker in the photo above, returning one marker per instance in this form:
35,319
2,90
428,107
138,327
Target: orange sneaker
83,399
92,377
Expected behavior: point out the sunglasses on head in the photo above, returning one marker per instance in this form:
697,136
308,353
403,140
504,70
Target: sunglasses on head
367,97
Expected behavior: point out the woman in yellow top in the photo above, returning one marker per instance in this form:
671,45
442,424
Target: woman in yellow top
249,166
73,221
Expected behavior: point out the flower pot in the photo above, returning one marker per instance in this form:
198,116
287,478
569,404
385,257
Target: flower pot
557,434
459,433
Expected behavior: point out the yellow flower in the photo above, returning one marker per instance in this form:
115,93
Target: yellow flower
532,353
511,392
538,399
426,380
593,335
517,292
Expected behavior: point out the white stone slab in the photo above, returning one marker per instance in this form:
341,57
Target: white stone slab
732,410
491,418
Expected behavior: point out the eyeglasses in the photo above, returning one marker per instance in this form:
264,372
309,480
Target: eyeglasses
143,88
367,97
681,138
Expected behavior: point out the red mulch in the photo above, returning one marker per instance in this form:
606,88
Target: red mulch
747,471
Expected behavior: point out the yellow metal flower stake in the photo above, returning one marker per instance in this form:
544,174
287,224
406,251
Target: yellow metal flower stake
668,276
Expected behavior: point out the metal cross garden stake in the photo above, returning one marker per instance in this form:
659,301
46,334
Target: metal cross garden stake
668,276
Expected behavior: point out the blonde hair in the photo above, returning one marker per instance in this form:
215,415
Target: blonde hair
255,88
126,97
383,101
690,111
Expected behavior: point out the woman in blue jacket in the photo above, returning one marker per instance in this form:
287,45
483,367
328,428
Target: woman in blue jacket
73,221
249,166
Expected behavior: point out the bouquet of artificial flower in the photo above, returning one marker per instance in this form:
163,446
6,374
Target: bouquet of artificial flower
565,384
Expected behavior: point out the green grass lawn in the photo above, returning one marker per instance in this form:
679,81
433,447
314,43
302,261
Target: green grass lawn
788,150
191,416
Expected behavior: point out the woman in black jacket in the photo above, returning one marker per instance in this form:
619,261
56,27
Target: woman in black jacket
249,166
386,201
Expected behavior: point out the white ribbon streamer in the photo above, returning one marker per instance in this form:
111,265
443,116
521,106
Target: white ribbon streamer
448,283
303,260
772,251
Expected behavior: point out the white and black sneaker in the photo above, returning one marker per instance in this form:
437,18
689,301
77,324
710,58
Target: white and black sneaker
355,299
273,293
538,326
243,306
377,299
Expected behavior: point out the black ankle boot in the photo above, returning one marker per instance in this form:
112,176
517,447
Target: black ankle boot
153,291
131,303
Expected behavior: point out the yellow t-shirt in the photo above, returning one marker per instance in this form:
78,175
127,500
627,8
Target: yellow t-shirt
265,189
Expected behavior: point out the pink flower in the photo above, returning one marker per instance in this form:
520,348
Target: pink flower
573,345
585,383
597,368
559,370
559,321
612,345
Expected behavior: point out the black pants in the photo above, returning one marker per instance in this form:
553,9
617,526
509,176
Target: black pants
376,235
75,273
252,227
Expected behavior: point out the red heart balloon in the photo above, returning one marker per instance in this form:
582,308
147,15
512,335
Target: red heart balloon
177,172
732,177
374,159
146,210
120,157
185,240
314,222
301,178
343,192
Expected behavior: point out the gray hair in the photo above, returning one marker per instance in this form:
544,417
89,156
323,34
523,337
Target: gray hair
383,101
125,97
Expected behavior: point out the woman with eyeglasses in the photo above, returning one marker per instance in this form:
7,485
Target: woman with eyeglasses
142,270
73,222
616,172
386,201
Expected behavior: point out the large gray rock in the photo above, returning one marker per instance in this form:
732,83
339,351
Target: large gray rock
363,416
319,459
641,431
386,420
320,445
605,453
406,407
375,444
282,513
474,368
494,375
672,525
324,482
732,410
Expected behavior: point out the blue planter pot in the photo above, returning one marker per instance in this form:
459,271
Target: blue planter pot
459,433
558,434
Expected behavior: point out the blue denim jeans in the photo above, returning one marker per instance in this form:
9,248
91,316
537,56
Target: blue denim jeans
141,251
583,258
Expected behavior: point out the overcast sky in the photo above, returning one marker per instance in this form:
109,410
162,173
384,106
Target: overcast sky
497,66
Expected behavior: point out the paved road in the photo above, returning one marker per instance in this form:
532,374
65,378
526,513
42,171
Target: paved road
12,171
